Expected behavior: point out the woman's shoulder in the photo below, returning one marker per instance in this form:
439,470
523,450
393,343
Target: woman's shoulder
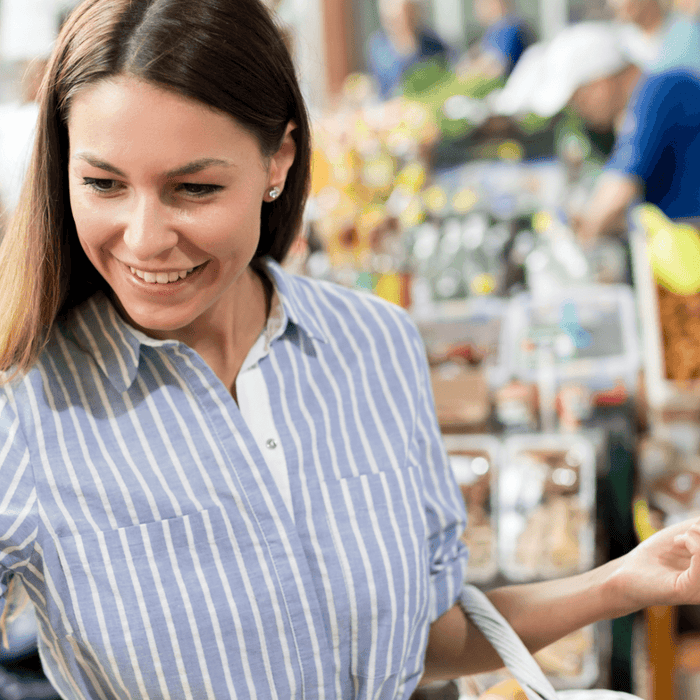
331,299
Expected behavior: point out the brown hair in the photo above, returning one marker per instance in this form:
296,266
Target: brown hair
228,54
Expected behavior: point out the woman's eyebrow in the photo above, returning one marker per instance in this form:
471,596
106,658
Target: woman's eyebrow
188,169
97,163
196,165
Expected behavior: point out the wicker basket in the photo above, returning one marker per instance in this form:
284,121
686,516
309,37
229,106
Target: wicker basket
515,655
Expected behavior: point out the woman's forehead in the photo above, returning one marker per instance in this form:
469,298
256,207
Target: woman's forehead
130,120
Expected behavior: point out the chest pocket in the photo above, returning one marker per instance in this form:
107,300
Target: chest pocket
156,603
379,533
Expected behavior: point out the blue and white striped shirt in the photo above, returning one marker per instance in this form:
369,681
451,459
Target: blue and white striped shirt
138,510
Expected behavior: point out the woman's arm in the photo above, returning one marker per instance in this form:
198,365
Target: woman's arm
665,569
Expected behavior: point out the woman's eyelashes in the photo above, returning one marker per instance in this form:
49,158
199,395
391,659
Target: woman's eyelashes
100,184
197,190
191,189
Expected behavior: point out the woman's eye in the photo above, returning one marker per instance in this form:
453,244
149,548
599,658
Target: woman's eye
197,190
100,184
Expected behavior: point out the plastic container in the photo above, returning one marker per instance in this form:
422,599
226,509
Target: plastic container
582,334
474,460
470,329
546,504
667,399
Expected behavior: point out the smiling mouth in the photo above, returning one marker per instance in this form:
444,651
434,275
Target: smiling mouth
164,277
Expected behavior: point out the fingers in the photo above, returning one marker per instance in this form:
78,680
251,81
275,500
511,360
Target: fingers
690,539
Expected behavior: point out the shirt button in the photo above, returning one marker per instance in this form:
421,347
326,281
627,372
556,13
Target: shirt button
271,444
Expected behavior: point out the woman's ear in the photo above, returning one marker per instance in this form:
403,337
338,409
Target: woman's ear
281,162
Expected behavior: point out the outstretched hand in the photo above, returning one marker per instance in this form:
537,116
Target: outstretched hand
662,570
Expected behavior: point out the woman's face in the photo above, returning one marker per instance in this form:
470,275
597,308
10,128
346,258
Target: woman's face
166,195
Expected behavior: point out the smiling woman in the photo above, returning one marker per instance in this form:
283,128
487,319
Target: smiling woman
146,42
166,197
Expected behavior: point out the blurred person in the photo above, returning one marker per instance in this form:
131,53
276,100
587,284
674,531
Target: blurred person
505,38
644,24
655,118
403,42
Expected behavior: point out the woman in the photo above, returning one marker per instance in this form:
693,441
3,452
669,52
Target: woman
220,480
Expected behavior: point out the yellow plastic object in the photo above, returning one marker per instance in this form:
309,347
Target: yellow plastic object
642,520
673,249
392,286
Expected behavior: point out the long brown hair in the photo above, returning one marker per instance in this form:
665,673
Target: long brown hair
228,54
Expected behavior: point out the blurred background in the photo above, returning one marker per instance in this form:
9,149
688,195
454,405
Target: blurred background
521,176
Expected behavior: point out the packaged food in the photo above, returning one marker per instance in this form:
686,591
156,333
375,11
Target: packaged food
474,460
546,504
467,331
462,399
572,661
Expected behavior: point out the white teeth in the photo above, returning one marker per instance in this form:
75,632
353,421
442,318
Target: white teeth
160,277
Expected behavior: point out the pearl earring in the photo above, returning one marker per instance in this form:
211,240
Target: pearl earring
274,192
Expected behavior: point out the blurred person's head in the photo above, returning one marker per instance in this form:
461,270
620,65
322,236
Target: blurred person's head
226,56
488,12
400,17
600,102
584,66
646,14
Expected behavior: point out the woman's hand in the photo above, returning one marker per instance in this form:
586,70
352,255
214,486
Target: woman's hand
662,570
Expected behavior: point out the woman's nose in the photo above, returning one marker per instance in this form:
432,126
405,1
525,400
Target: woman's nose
148,231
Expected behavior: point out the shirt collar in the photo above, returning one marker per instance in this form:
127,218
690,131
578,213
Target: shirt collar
292,291
116,346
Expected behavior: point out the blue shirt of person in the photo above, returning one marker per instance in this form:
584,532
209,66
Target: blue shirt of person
659,142
388,66
506,40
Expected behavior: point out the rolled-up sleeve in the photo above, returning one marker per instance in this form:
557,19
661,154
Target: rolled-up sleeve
444,507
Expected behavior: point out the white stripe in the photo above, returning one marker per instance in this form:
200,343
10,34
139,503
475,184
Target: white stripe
145,617
189,608
168,615
11,491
